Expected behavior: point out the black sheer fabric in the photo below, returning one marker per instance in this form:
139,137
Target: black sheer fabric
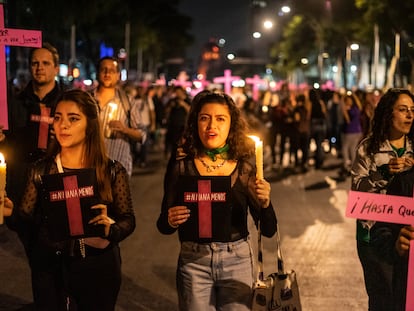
243,193
30,213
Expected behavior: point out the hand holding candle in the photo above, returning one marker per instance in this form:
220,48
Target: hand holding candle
112,115
259,156
2,186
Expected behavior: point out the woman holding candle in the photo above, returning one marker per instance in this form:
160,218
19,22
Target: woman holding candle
85,272
216,272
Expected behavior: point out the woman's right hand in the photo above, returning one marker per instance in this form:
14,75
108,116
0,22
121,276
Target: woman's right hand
178,215
8,206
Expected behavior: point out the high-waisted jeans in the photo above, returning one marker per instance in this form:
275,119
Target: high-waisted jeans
215,276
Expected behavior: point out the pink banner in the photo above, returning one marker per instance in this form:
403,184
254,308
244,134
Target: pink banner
12,37
380,207
386,208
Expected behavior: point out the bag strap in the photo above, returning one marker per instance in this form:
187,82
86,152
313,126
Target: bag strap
279,257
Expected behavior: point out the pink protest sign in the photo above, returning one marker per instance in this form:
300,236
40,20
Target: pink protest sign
386,208
13,37
227,79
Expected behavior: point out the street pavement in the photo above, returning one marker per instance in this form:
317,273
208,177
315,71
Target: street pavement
317,241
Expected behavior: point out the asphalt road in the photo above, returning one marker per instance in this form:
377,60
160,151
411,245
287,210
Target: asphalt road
318,242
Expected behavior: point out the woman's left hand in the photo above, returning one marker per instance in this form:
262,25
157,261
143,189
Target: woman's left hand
402,244
102,218
263,192
8,206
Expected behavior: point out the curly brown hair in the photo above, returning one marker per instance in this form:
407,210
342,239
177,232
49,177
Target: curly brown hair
240,146
381,124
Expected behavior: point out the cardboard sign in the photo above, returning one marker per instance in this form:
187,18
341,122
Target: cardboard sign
68,198
208,198
12,37
386,208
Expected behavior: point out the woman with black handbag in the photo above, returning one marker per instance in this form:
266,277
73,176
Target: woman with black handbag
215,266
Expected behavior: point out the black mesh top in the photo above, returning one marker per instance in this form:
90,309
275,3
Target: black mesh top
243,193
120,210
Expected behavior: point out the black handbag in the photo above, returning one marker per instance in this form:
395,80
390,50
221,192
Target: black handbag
279,290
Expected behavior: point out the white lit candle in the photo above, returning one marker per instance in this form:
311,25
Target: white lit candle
259,156
112,111
397,45
2,185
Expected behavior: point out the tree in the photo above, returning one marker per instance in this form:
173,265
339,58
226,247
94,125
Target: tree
314,30
392,17
156,26
316,27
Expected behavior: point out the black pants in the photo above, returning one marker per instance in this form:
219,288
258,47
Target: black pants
94,282
378,278
63,283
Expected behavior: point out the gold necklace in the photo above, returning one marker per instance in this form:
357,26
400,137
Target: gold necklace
211,168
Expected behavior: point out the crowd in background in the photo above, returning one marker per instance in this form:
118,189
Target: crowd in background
299,127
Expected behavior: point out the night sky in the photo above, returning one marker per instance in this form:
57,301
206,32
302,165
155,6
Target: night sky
228,19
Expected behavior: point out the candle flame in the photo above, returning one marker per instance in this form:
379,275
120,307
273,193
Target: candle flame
113,106
2,161
255,138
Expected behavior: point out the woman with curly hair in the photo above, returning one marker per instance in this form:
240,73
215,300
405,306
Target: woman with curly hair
215,266
387,151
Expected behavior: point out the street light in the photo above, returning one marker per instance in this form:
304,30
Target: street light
257,35
351,67
268,24
284,10
354,46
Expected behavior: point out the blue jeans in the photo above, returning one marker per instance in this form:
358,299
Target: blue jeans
215,276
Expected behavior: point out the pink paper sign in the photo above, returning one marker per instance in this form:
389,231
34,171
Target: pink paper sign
13,37
386,208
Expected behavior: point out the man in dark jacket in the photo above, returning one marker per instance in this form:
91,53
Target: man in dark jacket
30,118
